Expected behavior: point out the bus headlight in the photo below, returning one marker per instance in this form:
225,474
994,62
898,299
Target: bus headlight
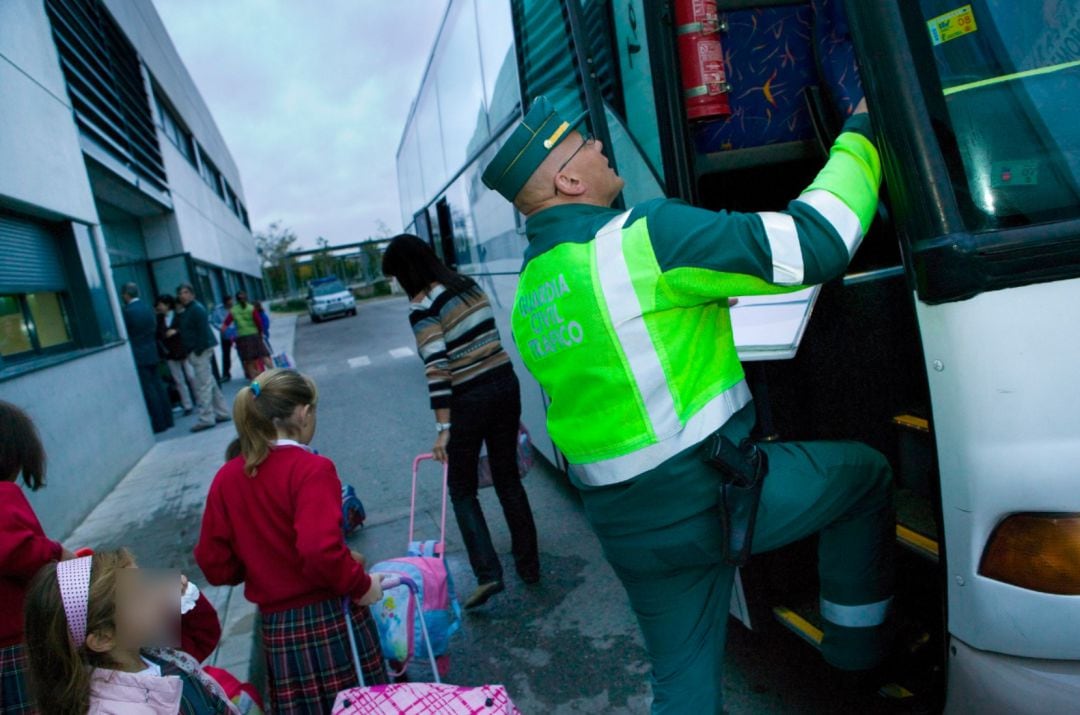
1040,552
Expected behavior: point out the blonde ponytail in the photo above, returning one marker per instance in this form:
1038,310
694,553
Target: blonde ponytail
264,406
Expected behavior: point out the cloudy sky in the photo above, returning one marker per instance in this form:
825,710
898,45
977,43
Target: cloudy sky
311,98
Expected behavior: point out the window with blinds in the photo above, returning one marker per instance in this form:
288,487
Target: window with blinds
33,290
105,85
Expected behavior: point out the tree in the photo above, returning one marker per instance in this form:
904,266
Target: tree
273,246
322,261
382,230
274,243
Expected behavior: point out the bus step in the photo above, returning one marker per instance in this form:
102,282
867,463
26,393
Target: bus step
912,422
806,623
916,466
916,528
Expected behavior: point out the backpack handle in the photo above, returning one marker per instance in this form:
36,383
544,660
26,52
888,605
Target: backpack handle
412,508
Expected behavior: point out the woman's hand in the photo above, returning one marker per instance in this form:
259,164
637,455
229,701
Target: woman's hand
374,593
439,450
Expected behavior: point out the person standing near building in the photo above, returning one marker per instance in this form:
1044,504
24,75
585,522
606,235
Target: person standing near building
250,342
472,382
623,318
198,339
265,318
141,327
172,345
228,337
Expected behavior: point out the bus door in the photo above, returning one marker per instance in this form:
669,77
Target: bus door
839,361
975,105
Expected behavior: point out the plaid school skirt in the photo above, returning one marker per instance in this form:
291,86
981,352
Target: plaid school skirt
14,696
308,658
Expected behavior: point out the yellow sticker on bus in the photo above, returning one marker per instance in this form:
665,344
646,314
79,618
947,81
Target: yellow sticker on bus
953,24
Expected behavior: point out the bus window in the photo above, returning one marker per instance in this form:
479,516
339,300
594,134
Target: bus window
1008,74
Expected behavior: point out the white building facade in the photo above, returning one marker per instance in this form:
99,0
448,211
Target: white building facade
111,170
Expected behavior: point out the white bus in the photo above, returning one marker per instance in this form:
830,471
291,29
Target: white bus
951,345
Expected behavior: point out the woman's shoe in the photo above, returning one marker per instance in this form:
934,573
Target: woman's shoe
483,593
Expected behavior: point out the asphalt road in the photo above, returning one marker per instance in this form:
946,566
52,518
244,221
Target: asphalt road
567,645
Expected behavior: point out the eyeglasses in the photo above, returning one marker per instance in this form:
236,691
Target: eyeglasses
588,139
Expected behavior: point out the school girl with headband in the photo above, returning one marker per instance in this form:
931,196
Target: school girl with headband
94,628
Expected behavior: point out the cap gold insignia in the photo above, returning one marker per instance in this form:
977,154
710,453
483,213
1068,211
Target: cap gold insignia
550,141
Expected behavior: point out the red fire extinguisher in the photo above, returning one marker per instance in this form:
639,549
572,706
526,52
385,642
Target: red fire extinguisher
704,82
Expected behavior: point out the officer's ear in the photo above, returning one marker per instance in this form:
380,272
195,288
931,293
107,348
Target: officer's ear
569,185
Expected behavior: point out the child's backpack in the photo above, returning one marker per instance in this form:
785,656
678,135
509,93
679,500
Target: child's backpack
400,630
416,698
352,510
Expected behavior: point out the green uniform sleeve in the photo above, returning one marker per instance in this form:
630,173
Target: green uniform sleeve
706,255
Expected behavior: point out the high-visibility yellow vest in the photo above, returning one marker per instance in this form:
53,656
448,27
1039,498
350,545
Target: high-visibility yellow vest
623,317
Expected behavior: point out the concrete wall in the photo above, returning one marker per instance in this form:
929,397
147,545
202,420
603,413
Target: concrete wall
89,410
92,419
41,165
205,225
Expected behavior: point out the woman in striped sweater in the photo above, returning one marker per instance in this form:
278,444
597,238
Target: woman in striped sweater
474,388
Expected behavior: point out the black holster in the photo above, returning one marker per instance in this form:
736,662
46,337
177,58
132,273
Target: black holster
743,469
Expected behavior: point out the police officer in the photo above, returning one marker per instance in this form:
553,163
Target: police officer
623,318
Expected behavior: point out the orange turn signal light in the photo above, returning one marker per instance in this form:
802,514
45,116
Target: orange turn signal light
1036,551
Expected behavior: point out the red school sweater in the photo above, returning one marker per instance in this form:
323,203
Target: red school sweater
24,549
279,532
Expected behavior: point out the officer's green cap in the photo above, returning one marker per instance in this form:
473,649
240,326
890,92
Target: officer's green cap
539,132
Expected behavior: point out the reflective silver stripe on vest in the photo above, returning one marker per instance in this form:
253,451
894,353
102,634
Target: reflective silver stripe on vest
784,245
625,312
710,418
863,616
837,213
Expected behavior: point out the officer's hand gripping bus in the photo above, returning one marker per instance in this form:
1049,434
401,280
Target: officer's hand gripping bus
951,345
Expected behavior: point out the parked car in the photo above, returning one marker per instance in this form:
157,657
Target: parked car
328,297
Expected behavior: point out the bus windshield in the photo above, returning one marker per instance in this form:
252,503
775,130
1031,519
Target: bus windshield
1009,77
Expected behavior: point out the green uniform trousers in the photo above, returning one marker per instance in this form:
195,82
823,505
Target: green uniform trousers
661,533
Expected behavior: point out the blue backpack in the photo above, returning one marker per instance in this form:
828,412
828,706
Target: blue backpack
352,510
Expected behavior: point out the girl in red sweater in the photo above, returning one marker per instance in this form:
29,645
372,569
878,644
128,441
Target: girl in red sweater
24,548
273,522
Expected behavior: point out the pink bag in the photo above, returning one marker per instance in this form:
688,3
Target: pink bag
419,698
524,458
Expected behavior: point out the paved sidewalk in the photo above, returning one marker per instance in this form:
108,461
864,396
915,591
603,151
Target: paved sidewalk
156,511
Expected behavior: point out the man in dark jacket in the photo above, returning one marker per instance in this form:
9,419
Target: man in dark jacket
199,341
141,327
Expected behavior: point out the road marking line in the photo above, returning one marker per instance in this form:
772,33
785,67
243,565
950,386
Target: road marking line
401,352
362,361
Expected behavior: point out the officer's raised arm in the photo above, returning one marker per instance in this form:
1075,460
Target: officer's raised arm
705,255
